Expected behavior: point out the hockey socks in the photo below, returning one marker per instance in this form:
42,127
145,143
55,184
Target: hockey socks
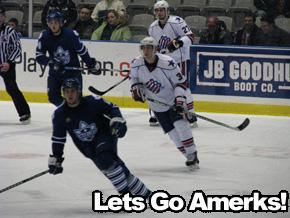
137,187
118,178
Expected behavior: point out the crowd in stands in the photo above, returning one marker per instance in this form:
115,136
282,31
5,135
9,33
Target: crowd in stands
111,20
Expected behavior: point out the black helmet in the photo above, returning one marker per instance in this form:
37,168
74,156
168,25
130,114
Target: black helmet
71,83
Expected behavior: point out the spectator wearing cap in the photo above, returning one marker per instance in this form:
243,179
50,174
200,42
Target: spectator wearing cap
10,50
250,34
85,25
272,34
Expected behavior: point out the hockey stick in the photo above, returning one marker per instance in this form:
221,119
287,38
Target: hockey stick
25,180
242,126
97,92
84,68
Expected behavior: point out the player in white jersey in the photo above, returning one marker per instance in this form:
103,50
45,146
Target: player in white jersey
157,76
174,38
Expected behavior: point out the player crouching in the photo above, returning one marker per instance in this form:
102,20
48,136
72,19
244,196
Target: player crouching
95,126
158,77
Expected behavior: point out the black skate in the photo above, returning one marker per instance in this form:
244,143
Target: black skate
25,119
192,161
153,121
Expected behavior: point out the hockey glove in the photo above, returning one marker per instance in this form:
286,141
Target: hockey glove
56,65
180,105
174,45
118,127
54,165
138,92
95,67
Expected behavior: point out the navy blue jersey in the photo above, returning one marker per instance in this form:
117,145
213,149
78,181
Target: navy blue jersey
85,123
66,47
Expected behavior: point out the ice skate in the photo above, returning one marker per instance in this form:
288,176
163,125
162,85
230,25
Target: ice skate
192,161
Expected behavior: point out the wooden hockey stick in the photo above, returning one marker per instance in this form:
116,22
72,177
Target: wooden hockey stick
24,181
240,127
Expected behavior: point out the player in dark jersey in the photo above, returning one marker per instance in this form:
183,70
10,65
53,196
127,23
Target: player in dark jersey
63,46
94,126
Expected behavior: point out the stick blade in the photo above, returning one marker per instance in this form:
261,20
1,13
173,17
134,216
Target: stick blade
95,91
244,124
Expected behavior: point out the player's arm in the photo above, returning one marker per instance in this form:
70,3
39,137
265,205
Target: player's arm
178,81
41,50
137,89
58,141
185,38
117,122
82,51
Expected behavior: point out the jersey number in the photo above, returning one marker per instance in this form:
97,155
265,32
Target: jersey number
179,76
185,29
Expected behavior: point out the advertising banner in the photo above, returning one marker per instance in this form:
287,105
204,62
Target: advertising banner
240,71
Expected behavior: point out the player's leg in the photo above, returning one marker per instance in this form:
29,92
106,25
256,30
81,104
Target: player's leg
184,67
19,101
152,120
107,160
54,90
185,136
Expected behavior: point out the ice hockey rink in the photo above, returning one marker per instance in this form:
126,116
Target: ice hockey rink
257,158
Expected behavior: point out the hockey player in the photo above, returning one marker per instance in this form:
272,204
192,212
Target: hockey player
157,76
94,126
63,46
174,38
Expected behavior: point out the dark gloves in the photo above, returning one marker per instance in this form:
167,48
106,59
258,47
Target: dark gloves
94,67
56,65
174,45
138,92
180,105
54,164
118,127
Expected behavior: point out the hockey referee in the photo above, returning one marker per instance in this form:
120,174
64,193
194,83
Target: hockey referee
10,49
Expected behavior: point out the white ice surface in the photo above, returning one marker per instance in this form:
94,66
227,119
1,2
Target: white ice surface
230,163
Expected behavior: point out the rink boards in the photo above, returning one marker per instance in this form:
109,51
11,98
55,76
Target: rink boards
248,80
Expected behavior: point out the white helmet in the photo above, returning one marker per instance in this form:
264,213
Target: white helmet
161,4
148,40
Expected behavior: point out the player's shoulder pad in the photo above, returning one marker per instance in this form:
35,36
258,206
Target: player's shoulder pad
166,62
59,110
154,23
45,34
175,19
70,32
137,62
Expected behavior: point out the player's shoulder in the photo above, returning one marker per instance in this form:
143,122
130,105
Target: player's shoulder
175,19
59,111
45,34
166,62
70,32
153,24
137,62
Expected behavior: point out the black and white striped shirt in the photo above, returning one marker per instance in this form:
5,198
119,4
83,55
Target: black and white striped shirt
10,46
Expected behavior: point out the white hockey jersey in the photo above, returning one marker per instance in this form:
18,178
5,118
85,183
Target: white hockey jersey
174,27
160,83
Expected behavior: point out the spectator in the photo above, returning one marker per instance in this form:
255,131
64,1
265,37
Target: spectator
216,32
112,29
67,7
273,35
273,8
85,25
100,11
13,23
250,34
